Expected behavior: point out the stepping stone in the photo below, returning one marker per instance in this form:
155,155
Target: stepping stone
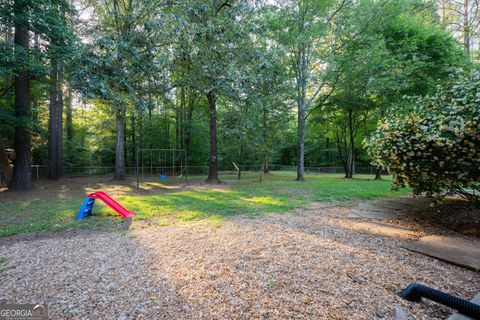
393,205
459,316
383,228
353,215
374,214
373,207
456,250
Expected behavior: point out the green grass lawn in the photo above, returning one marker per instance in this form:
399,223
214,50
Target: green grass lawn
278,193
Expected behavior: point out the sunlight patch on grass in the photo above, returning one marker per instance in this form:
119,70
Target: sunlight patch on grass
215,220
221,190
263,200
154,185
190,216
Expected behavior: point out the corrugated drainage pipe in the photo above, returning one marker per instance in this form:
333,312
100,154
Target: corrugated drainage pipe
415,292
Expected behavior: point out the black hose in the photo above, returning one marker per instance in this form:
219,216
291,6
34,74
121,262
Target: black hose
415,292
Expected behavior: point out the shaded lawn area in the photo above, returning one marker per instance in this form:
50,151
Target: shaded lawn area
164,205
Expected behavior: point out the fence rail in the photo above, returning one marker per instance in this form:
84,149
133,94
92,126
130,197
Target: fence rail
40,172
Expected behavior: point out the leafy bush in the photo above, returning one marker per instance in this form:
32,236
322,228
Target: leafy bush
434,147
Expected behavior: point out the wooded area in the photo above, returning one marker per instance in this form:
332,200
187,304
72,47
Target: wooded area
291,82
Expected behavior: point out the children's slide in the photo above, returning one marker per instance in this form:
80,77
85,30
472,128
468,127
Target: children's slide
87,206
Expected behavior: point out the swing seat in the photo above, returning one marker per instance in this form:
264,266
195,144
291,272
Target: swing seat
163,177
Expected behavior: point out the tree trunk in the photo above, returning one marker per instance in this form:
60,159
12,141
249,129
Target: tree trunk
120,147
69,123
177,126
351,149
264,142
60,119
302,106
188,129
378,173
125,137
260,172
301,142
36,47
179,115
349,167
133,139
150,124
69,119
213,162
242,156
22,170
327,154
55,124
5,163
53,170
341,144
466,27
140,131
182,118
167,131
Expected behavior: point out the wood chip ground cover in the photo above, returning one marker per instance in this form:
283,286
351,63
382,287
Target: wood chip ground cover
309,264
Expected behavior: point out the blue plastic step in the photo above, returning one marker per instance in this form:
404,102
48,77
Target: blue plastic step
86,209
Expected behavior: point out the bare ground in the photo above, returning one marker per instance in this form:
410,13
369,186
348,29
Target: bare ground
310,263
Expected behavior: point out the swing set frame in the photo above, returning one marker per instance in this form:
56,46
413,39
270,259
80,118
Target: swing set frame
173,154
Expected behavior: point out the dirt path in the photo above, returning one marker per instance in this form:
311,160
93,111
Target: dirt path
311,263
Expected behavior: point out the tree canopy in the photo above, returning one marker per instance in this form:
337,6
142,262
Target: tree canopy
86,83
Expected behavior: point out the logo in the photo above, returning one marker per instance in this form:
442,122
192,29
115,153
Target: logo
23,312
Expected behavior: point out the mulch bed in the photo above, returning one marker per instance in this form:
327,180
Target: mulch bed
310,263
454,214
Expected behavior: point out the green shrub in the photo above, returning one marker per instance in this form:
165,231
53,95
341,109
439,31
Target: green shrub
434,147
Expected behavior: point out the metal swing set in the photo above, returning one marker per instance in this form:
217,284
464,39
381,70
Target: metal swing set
162,163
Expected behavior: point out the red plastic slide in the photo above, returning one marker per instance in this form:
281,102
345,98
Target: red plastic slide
111,203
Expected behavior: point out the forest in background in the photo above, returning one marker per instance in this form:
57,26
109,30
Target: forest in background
292,82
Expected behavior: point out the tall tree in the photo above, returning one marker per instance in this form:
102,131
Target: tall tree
120,63
39,18
219,31
302,26
54,163
60,45
22,169
69,122
380,66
